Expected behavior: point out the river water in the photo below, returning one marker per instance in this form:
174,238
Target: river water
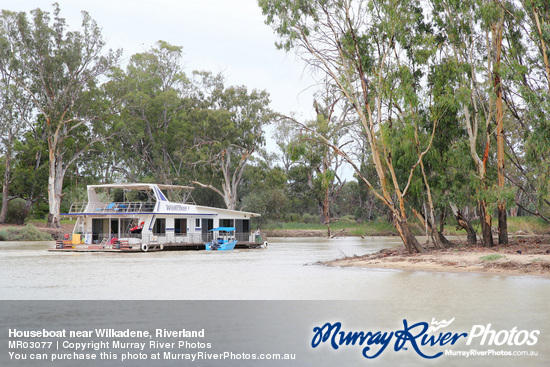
287,270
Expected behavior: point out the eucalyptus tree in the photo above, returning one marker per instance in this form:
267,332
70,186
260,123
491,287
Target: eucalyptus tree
153,95
449,160
226,132
495,23
471,34
63,70
527,97
15,103
284,134
377,53
30,171
262,187
321,161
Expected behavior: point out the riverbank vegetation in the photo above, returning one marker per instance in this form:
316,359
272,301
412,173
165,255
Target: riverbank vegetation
429,115
23,233
345,227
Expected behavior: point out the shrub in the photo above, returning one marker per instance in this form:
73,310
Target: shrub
347,219
309,218
40,211
294,217
16,211
26,233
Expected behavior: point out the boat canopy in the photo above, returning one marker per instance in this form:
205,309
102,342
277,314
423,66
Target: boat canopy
227,229
140,186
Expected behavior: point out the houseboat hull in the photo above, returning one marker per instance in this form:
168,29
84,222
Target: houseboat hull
141,248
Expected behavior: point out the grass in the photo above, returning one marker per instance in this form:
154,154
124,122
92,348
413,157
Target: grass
531,225
492,257
44,221
26,233
373,228
381,227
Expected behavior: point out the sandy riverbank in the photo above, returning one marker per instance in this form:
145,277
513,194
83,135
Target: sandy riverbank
524,256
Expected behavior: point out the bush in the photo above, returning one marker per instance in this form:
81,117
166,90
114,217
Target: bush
347,219
309,218
26,233
293,217
40,211
17,212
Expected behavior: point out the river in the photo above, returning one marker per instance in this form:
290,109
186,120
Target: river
287,270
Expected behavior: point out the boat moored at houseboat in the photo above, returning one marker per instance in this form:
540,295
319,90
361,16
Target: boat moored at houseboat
151,217
223,239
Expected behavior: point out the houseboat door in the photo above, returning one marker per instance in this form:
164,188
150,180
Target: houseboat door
207,225
100,227
243,229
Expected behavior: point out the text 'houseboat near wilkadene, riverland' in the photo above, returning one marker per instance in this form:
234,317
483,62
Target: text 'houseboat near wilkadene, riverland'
152,217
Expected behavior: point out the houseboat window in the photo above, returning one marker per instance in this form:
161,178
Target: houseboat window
180,225
197,222
160,226
226,223
242,225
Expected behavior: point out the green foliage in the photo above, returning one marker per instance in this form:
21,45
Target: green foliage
154,127
60,71
347,219
530,225
26,233
308,218
17,211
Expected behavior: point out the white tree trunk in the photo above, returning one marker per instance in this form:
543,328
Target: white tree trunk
55,186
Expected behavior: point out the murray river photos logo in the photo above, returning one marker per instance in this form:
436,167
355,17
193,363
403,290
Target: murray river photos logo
425,339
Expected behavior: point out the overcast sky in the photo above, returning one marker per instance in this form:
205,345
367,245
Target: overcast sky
227,36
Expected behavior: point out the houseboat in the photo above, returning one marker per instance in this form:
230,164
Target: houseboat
151,217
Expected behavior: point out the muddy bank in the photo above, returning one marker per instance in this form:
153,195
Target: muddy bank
524,256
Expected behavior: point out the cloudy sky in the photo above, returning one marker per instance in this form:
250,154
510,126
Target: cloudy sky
227,36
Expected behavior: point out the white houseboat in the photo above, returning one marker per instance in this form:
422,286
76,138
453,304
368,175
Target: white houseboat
146,217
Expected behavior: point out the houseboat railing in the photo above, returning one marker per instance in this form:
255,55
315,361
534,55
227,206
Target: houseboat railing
112,207
183,238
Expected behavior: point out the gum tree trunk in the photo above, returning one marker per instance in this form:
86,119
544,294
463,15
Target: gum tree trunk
502,220
409,240
486,223
466,225
5,187
55,186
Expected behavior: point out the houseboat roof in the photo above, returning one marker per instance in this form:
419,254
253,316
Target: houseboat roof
140,186
95,206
